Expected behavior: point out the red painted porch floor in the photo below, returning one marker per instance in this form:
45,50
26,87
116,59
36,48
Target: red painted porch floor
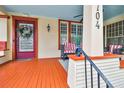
46,73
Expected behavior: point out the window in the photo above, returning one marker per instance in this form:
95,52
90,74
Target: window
73,33
123,27
116,29
70,31
3,32
104,36
107,32
115,33
120,28
112,30
76,34
63,33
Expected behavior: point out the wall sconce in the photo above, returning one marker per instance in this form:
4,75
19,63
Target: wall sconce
48,27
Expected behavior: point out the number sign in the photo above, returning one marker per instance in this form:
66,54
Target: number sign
97,17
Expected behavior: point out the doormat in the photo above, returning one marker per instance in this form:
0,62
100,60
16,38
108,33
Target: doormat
23,60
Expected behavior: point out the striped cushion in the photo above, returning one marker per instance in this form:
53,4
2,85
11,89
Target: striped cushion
113,47
69,47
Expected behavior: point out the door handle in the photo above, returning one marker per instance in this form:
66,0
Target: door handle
13,40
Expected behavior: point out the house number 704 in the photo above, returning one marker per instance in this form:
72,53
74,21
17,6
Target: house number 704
97,17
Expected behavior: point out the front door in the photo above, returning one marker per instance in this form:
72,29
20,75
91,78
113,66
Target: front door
25,39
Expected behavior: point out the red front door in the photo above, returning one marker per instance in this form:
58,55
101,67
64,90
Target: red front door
25,39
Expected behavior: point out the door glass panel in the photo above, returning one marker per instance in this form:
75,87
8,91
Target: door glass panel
25,37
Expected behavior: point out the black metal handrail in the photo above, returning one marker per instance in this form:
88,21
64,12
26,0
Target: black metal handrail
99,73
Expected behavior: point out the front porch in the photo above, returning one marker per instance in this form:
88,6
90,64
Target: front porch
43,49
43,73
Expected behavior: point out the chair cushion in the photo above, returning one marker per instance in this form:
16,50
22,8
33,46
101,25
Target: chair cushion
69,47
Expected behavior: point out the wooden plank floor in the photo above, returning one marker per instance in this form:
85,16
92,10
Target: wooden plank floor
44,73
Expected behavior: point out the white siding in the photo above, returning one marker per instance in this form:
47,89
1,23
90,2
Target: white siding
109,67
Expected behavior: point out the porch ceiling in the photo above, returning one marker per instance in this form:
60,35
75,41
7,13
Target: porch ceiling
55,11
62,11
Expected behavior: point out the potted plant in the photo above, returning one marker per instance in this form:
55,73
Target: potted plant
122,50
78,41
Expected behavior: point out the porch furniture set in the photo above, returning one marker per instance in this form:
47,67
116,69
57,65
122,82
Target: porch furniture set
70,48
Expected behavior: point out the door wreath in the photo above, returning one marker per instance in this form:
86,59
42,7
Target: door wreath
25,31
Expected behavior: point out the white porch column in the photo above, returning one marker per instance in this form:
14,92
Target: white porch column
93,30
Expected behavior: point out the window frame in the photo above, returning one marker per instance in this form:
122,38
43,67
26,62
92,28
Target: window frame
68,29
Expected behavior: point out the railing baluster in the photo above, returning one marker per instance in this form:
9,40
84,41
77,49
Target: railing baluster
98,80
99,73
107,86
85,72
91,68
